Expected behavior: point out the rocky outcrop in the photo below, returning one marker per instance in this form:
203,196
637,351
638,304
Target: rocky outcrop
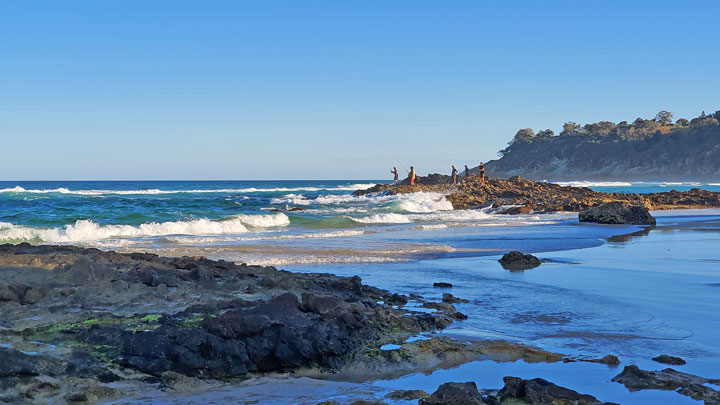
676,154
520,196
634,379
518,261
539,392
616,212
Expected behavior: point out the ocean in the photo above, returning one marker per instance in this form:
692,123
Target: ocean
635,297
278,222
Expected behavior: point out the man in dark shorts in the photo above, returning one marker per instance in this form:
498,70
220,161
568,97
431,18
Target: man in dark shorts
481,169
395,172
454,174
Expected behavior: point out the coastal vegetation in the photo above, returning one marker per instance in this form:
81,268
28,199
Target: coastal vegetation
644,149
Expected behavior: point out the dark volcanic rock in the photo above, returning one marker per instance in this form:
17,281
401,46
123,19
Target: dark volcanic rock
454,394
84,312
634,379
617,213
518,261
540,392
396,299
537,196
15,363
664,358
278,334
442,285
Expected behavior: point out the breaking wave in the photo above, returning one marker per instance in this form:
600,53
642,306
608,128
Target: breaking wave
593,183
390,218
64,190
85,230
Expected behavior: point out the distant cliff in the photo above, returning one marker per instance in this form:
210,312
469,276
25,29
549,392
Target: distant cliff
644,150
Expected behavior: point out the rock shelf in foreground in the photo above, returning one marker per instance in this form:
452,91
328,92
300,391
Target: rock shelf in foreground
84,318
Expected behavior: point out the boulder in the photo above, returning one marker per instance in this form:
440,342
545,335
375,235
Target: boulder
617,213
518,261
8,294
610,360
16,363
441,284
539,391
454,394
664,358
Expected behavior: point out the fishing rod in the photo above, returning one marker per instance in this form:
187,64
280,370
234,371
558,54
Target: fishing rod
386,163
398,160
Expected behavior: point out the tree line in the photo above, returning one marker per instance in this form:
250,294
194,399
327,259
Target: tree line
638,129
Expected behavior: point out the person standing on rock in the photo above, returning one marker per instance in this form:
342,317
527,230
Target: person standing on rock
395,172
467,172
481,170
454,174
412,176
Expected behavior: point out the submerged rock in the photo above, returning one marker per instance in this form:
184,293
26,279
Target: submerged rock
407,395
540,392
635,379
617,213
451,299
518,261
664,358
442,285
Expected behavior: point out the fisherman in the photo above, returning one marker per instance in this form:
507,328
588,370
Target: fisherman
412,176
467,172
481,169
454,174
394,171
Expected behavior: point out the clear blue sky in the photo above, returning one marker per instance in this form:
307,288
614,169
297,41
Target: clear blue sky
310,89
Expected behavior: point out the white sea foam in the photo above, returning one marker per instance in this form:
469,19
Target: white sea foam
389,218
425,202
85,230
295,199
459,215
263,221
353,187
189,240
309,259
428,227
593,183
63,190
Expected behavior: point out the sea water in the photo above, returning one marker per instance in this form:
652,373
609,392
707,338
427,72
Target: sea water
635,297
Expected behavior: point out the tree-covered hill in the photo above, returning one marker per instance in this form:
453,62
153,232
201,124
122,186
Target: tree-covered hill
656,149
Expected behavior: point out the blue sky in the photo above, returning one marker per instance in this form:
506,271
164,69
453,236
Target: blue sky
314,89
